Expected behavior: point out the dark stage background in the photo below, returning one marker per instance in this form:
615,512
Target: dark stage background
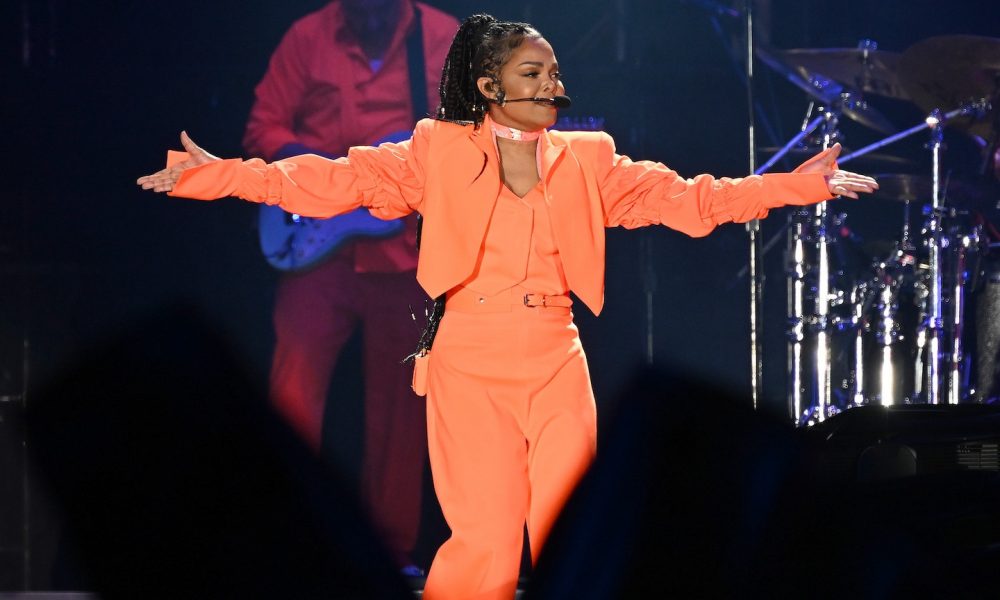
95,92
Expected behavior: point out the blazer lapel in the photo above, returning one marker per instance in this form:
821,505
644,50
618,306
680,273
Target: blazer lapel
458,211
549,155
577,220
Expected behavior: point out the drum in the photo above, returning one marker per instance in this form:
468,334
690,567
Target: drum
987,327
890,334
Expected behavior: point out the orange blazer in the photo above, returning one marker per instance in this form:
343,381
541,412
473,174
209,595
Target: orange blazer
450,173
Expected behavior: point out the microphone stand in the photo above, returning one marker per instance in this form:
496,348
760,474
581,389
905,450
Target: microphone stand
753,230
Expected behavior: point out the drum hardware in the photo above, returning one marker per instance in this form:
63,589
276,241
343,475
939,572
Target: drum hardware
960,254
933,120
888,333
803,151
930,330
807,128
826,90
864,68
907,319
988,325
859,292
934,324
808,239
961,194
808,234
948,70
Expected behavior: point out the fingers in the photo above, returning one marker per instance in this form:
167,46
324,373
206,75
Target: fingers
161,181
830,155
857,178
155,184
845,183
188,143
843,191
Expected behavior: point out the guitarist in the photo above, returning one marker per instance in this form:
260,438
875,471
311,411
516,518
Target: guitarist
341,77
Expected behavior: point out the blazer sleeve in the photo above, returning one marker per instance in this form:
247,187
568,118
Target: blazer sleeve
639,193
387,180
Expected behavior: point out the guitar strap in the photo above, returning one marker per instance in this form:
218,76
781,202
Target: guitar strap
417,68
418,81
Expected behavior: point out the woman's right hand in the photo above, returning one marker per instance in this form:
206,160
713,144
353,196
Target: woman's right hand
164,181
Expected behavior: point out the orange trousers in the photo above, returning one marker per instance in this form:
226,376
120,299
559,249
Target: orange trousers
512,427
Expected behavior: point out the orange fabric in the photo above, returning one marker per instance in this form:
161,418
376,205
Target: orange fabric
511,415
519,248
511,426
451,174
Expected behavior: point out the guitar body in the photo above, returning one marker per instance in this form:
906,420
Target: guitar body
292,242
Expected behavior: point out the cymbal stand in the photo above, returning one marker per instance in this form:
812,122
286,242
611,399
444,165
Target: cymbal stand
931,328
958,314
821,302
808,236
931,121
936,243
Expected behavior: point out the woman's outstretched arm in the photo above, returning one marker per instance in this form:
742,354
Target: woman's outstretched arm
387,180
641,193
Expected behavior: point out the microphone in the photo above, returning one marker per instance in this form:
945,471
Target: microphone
556,101
561,101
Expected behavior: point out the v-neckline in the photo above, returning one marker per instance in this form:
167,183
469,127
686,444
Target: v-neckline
531,189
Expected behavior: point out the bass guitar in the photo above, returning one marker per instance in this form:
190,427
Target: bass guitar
291,242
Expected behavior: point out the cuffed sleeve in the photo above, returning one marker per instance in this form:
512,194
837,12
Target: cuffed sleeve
388,180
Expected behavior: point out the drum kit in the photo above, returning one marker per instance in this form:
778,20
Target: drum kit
895,331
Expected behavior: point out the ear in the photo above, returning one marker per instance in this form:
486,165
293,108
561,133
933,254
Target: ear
487,87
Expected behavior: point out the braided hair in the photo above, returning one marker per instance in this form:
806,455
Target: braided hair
482,45
480,48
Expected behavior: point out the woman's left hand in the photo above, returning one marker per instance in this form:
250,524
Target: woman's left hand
839,182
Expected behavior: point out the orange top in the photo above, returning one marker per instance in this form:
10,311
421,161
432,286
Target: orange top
519,248
451,174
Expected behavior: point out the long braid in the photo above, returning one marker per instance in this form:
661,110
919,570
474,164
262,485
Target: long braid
460,99
479,49
481,46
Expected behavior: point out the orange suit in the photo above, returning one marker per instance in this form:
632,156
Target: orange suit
511,419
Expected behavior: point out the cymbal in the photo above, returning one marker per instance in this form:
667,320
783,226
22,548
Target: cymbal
961,193
863,69
872,159
946,71
828,91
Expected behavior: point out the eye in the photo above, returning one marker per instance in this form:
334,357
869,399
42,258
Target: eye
531,74
557,75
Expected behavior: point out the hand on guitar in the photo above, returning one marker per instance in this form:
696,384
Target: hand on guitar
840,183
164,181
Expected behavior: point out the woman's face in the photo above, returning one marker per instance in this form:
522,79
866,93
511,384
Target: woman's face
531,71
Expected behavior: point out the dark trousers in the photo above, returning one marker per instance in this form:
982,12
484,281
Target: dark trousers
315,314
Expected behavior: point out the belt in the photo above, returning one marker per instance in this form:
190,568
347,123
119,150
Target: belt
515,298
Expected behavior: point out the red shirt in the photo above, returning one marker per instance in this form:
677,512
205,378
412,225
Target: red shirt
320,91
